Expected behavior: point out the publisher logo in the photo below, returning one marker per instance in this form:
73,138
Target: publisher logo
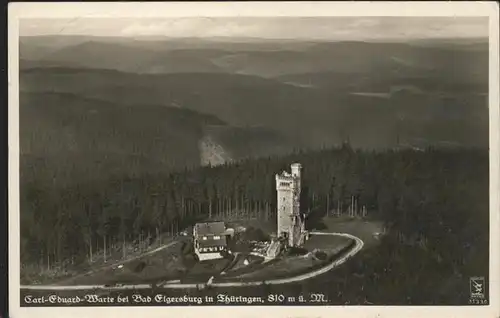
477,287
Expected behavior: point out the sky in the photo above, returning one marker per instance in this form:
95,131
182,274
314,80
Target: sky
321,28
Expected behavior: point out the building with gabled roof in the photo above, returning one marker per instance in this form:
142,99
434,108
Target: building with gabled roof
210,240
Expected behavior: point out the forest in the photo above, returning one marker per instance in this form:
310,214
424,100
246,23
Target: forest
436,200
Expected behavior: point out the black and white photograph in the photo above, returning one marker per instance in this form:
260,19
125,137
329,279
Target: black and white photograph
255,160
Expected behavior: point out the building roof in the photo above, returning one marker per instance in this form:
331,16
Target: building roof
210,228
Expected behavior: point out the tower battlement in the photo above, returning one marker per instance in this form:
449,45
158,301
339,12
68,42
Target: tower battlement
287,176
284,177
285,181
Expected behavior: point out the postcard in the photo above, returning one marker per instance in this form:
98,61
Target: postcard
305,159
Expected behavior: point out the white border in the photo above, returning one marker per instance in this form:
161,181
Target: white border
253,9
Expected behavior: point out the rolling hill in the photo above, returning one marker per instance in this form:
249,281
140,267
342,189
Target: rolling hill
67,138
239,100
148,103
307,117
260,58
76,138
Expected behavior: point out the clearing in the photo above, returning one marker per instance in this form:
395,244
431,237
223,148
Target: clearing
176,262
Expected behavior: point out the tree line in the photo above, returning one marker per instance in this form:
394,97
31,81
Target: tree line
435,198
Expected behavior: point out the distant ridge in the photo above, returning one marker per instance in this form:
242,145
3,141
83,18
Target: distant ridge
255,39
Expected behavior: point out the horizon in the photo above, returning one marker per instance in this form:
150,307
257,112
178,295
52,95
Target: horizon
265,28
242,39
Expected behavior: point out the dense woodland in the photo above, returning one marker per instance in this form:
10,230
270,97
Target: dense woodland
435,199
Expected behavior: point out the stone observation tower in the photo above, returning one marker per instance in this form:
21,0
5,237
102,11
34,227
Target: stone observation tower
291,222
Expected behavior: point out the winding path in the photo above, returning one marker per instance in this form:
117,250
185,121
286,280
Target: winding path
357,247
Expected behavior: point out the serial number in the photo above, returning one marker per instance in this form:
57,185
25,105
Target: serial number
473,301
